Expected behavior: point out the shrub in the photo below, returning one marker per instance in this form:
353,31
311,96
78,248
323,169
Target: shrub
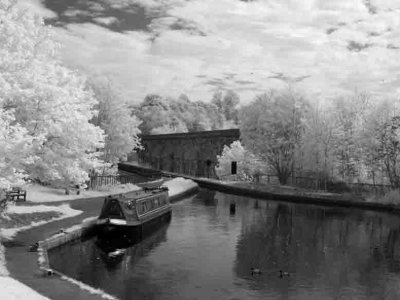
248,165
391,197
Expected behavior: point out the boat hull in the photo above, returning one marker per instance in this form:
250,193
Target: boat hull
132,232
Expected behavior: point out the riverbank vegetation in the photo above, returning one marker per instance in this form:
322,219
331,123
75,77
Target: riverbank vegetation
336,145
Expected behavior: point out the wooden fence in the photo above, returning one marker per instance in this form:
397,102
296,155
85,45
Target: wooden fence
102,180
370,188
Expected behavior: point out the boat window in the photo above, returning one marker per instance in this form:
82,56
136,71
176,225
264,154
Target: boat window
113,209
143,207
150,204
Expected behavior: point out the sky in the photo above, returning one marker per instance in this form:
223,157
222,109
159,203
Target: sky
325,48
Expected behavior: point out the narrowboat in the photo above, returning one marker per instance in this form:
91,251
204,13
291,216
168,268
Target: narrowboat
134,214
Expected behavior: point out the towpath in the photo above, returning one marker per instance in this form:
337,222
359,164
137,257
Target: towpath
23,265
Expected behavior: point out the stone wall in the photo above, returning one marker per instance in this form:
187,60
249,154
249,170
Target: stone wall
193,153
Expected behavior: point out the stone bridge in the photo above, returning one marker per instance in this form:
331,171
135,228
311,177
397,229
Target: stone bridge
193,153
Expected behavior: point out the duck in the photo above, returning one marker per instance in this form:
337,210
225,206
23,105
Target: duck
283,274
116,253
34,247
62,230
255,271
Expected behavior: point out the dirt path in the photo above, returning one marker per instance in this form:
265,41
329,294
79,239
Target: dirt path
23,266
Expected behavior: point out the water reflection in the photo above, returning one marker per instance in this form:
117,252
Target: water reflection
342,252
92,262
207,253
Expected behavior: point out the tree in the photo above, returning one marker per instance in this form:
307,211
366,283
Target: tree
349,121
272,127
248,165
217,100
153,112
47,99
389,149
15,150
213,114
378,116
170,115
317,149
381,142
193,114
227,107
176,125
120,127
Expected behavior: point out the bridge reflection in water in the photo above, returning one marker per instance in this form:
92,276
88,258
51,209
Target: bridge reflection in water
206,252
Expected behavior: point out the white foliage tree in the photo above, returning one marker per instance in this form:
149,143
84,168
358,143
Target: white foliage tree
317,150
349,114
47,99
175,125
114,117
15,148
380,142
248,165
272,127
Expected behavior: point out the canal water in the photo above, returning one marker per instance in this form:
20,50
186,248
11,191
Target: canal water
208,248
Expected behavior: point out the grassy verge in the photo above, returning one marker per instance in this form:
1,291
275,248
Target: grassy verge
19,220
391,197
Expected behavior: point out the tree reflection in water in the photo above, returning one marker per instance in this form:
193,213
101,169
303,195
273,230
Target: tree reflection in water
341,247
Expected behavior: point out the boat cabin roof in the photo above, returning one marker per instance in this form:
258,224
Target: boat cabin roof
139,194
135,204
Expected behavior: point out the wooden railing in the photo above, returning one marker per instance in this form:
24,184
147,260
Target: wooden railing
102,180
369,187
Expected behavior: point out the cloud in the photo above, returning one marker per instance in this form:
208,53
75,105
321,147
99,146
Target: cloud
107,21
37,8
190,46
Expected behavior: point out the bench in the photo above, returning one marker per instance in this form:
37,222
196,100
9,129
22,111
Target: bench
16,193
